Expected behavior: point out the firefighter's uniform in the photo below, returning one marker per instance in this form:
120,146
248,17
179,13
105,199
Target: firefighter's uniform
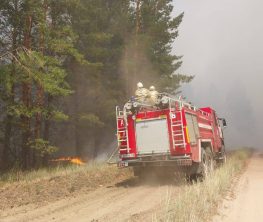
141,94
153,95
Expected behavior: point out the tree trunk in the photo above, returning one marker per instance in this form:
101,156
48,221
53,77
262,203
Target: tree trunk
6,151
38,118
6,158
26,99
26,134
47,128
40,90
76,123
9,118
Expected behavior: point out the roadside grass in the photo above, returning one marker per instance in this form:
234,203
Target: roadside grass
43,186
16,175
198,202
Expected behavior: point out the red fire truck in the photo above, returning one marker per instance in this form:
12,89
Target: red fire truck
170,135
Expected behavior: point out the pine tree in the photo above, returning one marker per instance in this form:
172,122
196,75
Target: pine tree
155,31
46,42
97,88
75,60
10,28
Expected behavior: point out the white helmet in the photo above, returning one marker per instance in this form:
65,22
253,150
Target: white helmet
152,88
139,85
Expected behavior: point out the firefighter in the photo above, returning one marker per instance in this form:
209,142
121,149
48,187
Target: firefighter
153,95
141,93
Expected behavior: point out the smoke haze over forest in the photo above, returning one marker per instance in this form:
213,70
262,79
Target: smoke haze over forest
222,46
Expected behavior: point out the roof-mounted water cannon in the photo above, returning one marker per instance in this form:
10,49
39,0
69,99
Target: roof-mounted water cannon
132,105
165,100
135,104
128,106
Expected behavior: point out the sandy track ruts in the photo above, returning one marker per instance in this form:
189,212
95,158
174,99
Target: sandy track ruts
135,202
248,196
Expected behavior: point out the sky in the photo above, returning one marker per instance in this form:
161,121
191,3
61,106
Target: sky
222,46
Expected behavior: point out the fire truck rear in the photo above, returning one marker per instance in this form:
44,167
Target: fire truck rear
168,136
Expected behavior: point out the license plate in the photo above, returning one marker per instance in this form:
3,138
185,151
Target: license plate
123,164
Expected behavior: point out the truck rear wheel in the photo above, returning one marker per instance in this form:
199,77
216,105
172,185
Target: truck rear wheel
203,166
207,162
222,157
201,170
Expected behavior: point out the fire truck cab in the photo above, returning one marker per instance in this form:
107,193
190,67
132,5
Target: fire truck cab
172,134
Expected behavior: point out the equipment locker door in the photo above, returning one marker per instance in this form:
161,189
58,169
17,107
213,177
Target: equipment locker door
152,136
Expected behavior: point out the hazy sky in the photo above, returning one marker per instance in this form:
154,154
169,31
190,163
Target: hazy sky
222,44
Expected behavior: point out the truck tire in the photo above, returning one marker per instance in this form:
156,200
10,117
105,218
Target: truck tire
210,160
222,158
203,165
200,171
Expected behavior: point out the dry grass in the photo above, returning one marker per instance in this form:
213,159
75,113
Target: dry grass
195,202
48,185
16,175
198,202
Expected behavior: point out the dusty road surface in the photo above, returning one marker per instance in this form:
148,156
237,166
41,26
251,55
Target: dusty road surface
132,200
247,203
126,201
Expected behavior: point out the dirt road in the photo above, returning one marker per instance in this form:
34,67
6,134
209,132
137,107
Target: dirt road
131,200
246,205
127,201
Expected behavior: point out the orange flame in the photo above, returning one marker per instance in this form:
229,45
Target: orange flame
77,160
74,160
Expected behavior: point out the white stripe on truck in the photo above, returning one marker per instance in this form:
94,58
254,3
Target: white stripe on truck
201,125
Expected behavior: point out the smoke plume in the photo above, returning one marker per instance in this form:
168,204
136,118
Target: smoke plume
222,46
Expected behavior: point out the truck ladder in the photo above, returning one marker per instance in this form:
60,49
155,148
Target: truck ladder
177,128
122,132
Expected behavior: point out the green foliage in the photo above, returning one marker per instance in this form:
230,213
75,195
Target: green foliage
5,80
42,147
46,71
59,116
156,32
90,120
38,41
82,57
